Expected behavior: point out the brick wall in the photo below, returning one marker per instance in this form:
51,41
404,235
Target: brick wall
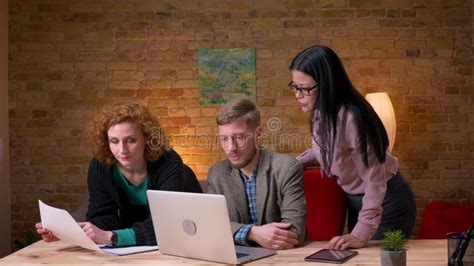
69,58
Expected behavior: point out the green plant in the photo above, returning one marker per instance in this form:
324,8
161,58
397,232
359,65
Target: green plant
394,241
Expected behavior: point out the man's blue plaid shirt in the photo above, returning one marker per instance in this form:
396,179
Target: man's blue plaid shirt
251,192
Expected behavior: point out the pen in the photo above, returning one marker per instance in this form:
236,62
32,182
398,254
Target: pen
453,257
465,243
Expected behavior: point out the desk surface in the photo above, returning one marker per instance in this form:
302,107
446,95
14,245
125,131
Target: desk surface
420,252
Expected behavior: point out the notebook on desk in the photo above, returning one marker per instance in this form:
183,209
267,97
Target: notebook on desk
197,226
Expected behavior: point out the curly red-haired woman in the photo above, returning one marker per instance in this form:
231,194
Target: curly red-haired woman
131,155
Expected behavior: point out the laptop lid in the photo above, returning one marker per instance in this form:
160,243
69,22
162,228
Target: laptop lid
197,226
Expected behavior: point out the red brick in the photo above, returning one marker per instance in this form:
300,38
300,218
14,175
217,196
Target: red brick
363,3
335,23
37,47
426,3
457,22
175,121
394,23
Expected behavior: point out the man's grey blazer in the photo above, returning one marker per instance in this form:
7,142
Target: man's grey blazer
280,194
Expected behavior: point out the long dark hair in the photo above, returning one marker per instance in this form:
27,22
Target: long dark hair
335,90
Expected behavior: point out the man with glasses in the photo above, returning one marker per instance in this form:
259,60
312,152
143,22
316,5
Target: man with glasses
263,189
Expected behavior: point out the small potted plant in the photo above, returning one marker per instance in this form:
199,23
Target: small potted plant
393,249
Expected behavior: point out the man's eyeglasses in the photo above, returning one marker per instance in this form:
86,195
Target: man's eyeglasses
305,91
238,139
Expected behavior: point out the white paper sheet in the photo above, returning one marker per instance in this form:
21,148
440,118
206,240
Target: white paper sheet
64,227
129,250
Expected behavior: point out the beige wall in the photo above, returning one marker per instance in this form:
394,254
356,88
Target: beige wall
4,154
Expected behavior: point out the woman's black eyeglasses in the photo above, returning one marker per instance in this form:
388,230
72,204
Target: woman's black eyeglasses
305,91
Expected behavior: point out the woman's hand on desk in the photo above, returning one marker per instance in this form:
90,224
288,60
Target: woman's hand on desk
98,235
46,235
345,242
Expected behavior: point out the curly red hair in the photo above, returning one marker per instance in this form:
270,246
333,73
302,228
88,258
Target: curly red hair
156,142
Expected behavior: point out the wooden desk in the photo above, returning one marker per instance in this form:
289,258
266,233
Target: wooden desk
420,252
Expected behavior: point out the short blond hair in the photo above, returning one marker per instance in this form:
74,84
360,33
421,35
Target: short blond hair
239,109
156,142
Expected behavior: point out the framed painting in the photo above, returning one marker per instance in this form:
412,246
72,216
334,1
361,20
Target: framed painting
225,74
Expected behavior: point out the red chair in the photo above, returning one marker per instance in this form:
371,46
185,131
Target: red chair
326,212
441,217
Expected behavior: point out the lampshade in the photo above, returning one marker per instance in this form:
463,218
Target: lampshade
384,109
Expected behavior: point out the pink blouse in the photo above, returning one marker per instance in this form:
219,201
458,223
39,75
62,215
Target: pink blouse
351,173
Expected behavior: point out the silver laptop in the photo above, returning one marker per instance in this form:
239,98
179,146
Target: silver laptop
197,226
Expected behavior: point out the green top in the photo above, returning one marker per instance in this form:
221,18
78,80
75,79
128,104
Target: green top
136,195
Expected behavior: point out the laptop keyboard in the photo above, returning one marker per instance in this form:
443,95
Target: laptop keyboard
241,255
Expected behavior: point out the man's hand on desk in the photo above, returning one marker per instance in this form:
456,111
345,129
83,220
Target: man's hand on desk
45,233
273,236
345,242
98,235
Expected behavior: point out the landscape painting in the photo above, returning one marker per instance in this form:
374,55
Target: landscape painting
225,74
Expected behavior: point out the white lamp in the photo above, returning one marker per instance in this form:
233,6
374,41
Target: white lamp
384,109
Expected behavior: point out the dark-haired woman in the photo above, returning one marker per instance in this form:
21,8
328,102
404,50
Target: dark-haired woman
350,144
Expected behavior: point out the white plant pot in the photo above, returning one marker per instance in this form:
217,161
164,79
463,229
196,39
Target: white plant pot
393,258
